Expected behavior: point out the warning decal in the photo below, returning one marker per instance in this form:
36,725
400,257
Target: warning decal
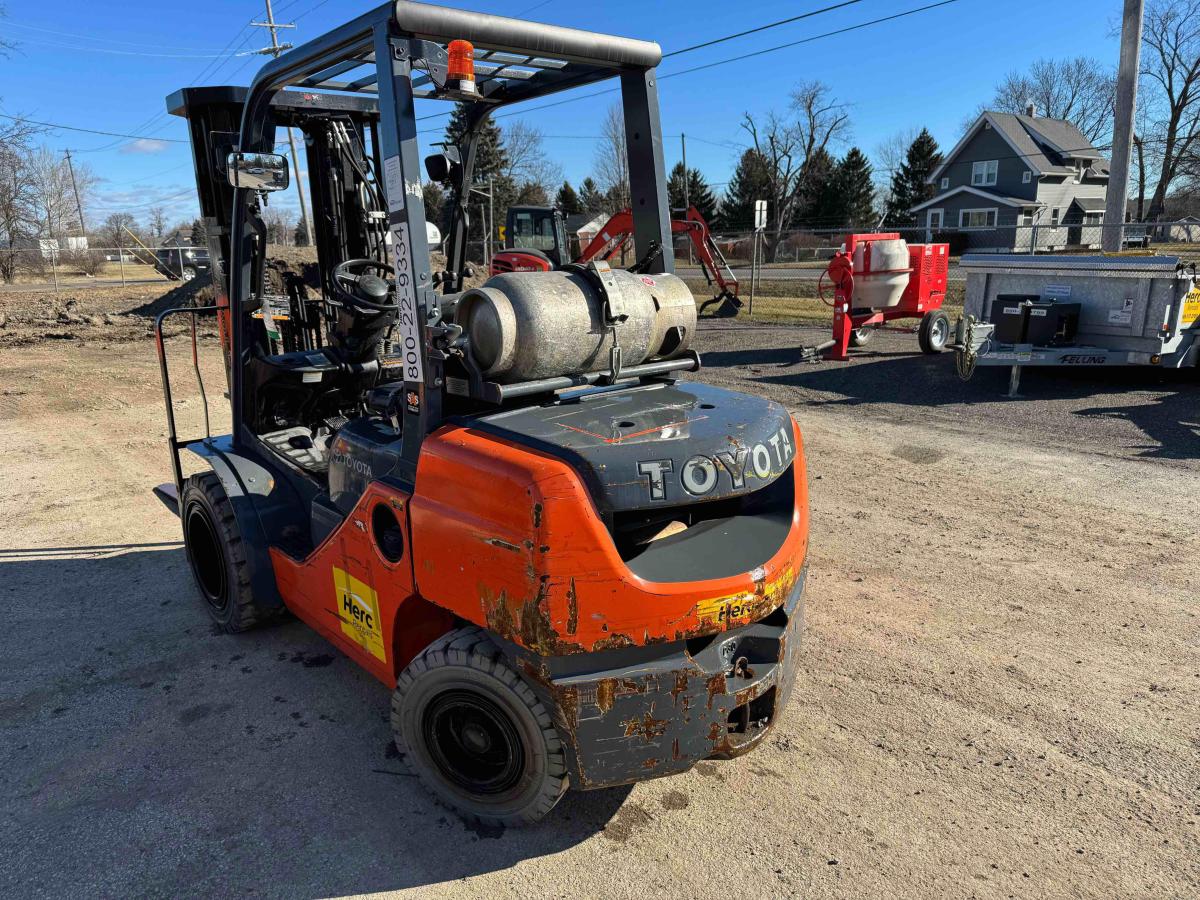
1191,307
358,611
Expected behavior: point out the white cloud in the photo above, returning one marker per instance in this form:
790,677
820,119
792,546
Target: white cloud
145,145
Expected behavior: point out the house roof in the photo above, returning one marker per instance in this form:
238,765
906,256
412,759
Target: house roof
987,195
1089,204
1046,144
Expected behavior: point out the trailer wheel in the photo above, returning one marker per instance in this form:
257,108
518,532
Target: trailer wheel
216,553
860,337
475,734
934,332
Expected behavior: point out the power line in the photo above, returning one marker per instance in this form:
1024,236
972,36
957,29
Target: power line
103,40
56,127
767,27
807,40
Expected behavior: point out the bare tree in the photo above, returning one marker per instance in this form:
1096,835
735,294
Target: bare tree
157,220
790,148
116,230
1170,91
279,227
888,156
55,196
1079,90
6,44
526,161
18,213
612,162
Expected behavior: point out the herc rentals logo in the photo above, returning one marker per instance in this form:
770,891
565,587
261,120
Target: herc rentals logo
358,610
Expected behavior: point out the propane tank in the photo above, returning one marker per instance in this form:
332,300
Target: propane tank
880,273
523,326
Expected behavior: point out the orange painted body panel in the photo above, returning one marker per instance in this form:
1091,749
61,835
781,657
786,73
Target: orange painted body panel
509,538
407,624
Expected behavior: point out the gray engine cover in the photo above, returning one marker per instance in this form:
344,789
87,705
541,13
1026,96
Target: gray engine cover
659,444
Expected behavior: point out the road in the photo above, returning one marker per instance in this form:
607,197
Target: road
998,695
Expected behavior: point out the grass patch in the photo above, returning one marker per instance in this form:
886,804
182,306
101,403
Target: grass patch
797,303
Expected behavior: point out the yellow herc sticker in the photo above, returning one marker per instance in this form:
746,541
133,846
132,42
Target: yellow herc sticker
358,610
1191,307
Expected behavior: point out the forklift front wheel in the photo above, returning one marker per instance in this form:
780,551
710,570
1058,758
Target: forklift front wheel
860,337
216,553
934,332
475,734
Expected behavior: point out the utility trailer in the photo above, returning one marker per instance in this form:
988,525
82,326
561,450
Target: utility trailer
1078,311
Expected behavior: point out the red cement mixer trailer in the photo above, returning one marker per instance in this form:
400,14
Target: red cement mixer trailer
879,278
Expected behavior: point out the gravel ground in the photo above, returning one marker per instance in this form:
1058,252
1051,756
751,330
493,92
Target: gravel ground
998,696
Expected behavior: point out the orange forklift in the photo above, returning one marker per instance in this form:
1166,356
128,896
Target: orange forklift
571,567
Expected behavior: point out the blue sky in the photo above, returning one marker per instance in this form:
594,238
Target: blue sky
109,67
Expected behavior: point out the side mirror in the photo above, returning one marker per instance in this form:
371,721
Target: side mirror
258,171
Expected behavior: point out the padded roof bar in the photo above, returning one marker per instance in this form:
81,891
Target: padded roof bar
440,24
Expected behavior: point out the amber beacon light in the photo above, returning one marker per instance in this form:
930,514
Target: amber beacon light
460,71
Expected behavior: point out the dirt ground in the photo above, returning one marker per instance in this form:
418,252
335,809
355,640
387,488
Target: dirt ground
998,696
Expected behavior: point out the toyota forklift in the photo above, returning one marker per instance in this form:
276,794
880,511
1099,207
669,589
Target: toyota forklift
571,567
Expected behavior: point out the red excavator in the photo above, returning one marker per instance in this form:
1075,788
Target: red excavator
535,240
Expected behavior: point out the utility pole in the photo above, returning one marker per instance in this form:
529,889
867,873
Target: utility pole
687,201
1124,108
274,50
75,188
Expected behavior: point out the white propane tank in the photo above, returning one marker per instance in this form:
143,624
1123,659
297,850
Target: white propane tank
880,273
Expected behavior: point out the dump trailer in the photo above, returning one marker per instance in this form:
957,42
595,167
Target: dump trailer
571,566
1078,311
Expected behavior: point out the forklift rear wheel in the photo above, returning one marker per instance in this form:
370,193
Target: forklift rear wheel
475,734
216,553
934,332
860,337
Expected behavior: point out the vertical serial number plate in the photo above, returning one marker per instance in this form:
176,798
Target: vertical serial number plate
408,322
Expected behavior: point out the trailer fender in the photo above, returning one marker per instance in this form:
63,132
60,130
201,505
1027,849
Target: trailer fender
246,482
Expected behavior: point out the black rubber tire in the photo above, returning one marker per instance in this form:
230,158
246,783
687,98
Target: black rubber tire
217,554
934,333
188,273
860,337
465,662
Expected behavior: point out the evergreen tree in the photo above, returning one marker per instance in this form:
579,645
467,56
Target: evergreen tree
855,194
817,206
591,196
490,158
698,194
750,182
567,201
908,182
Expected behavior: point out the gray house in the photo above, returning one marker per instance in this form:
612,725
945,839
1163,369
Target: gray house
1014,181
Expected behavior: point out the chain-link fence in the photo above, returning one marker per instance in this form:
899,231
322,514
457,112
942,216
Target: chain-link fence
56,268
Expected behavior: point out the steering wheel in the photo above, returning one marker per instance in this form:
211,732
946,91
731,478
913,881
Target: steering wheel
354,279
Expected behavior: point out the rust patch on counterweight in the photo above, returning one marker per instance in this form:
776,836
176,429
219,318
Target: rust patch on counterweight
647,727
572,609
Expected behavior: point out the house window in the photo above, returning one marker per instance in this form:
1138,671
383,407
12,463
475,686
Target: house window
945,183
1054,218
935,219
983,173
977,218
1026,177
1027,217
